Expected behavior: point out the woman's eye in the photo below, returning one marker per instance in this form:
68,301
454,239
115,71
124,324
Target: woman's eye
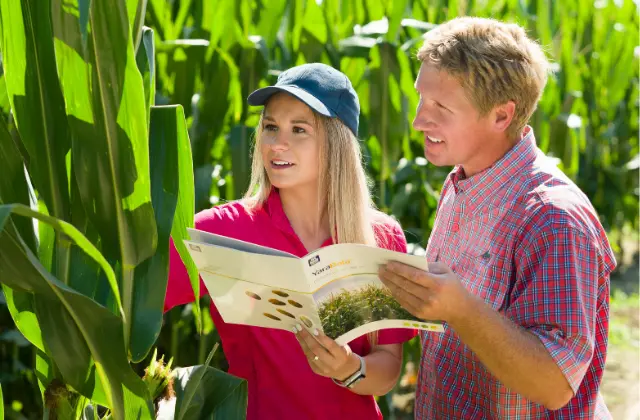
298,130
270,127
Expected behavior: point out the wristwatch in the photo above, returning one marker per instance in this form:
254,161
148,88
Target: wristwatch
356,377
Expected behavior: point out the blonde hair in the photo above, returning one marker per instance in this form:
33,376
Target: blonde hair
494,62
342,180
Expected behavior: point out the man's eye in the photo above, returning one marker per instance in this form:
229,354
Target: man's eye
270,127
444,108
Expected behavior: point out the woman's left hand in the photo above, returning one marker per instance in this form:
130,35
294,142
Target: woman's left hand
326,357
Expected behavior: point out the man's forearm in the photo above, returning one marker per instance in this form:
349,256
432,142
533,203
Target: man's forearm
513,355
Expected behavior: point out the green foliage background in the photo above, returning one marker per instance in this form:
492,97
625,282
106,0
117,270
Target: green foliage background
210,54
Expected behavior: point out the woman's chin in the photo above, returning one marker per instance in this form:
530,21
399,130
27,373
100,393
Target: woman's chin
289,184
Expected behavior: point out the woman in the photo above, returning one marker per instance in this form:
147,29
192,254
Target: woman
308,190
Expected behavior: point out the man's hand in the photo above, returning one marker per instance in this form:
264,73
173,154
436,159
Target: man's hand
434,295
512,354
326,357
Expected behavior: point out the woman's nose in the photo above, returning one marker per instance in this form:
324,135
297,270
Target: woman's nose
276,140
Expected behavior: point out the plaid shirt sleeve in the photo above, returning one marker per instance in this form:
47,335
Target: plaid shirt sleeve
555,292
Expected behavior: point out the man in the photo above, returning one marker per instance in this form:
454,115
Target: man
519,263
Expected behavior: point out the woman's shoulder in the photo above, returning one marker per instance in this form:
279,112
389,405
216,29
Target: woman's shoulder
388,231
227,218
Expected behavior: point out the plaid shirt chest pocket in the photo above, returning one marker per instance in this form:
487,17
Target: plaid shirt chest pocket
483,273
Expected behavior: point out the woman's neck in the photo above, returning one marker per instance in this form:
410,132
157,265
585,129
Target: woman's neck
308,217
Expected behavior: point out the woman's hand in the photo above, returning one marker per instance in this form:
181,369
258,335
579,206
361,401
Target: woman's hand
326,357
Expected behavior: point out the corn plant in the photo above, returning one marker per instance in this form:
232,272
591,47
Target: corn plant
107,178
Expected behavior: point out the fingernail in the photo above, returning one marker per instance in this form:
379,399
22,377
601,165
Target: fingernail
316,332
295,331
299,327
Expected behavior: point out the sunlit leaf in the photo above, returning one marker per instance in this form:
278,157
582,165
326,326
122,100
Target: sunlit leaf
145,59
35,97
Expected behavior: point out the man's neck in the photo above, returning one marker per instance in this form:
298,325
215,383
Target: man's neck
491,155
307,215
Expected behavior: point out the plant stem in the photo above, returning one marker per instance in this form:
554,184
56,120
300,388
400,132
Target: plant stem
174,338
63,258
384,125
202,350
127,303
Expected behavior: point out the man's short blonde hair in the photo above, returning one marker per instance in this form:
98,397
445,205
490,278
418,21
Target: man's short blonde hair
495,62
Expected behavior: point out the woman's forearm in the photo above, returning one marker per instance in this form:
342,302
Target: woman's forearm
383,366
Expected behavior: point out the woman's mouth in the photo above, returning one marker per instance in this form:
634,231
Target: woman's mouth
434,140
280,164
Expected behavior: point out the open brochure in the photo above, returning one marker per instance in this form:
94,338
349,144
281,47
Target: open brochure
335,289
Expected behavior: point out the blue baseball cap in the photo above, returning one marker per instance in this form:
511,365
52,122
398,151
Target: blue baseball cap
323,88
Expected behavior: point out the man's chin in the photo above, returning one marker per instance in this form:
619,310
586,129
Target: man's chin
438,160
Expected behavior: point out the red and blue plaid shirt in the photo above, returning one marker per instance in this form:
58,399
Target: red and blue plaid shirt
523,237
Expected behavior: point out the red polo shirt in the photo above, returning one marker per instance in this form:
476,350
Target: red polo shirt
281,383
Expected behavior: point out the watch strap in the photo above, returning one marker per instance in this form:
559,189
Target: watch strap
356,377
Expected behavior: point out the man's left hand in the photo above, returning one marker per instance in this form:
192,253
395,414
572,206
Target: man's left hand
434,295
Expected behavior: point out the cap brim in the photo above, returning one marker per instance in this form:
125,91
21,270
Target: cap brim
261,96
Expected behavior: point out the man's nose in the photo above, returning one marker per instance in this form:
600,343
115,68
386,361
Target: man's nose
423,120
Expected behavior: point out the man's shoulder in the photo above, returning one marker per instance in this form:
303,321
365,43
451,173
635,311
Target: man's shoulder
544,191
549,203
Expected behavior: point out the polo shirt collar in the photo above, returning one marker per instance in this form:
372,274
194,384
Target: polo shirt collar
480,187
273,207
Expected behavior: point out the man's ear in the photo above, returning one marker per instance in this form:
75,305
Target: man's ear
503,115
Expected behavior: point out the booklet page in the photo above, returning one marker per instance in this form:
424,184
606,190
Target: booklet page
350,297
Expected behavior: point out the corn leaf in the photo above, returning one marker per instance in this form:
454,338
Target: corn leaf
240,143
72,234
105,103
169,150
43,371
387,122
101,331
74,362
145,59
203,392
136,10
185,210
21,308
35,97
14,189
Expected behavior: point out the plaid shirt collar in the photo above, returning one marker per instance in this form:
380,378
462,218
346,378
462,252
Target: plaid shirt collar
479,188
